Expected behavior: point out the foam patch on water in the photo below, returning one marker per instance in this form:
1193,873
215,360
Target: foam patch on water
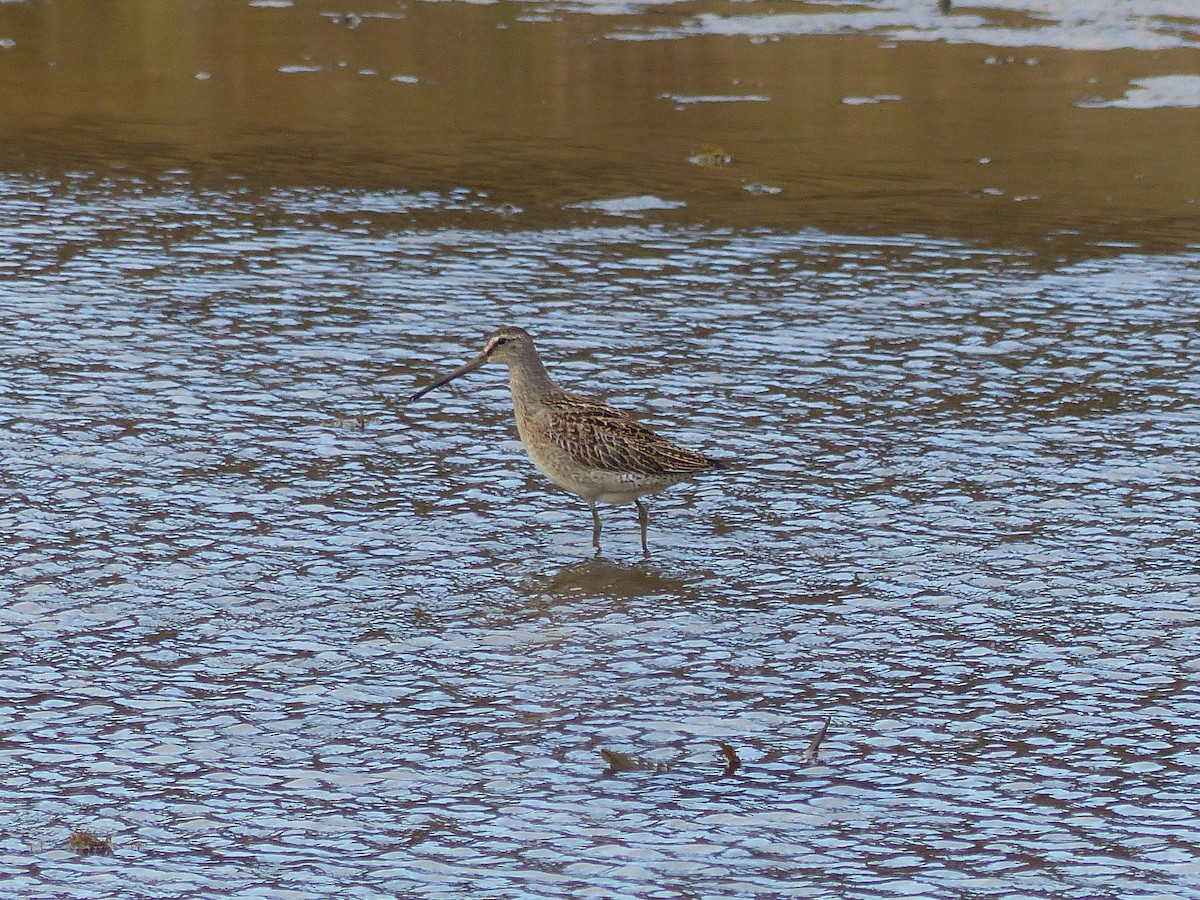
626,206
1083,25
867,101
1153,93
716,98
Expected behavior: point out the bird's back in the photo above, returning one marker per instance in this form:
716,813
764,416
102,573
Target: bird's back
603,437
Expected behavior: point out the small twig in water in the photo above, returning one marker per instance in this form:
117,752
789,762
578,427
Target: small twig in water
810,755
732,761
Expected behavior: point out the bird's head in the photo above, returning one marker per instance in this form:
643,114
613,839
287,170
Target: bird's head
506,344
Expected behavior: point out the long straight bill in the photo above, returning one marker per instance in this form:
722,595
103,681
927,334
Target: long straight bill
461,370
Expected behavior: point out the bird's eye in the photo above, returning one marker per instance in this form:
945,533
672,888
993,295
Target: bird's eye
501,341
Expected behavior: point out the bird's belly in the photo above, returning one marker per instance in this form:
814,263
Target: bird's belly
595,484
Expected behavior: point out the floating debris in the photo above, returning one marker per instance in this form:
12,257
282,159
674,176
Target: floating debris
358,420
711,157
623,762
810,755
349,20
732,761
619,762
87,844
757,187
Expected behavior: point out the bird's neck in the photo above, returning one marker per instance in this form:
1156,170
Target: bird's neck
529,380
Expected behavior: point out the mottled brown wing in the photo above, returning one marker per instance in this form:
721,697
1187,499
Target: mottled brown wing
605,438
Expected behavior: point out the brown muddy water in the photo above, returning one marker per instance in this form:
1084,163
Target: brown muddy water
275,633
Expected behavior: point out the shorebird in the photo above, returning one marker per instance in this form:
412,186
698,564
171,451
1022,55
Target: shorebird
582,445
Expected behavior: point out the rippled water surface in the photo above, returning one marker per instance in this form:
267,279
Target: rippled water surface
278,633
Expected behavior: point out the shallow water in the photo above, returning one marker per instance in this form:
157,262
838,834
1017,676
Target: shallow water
928,279
270,648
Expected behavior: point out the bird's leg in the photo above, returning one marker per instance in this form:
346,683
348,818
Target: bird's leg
595,526
643,520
